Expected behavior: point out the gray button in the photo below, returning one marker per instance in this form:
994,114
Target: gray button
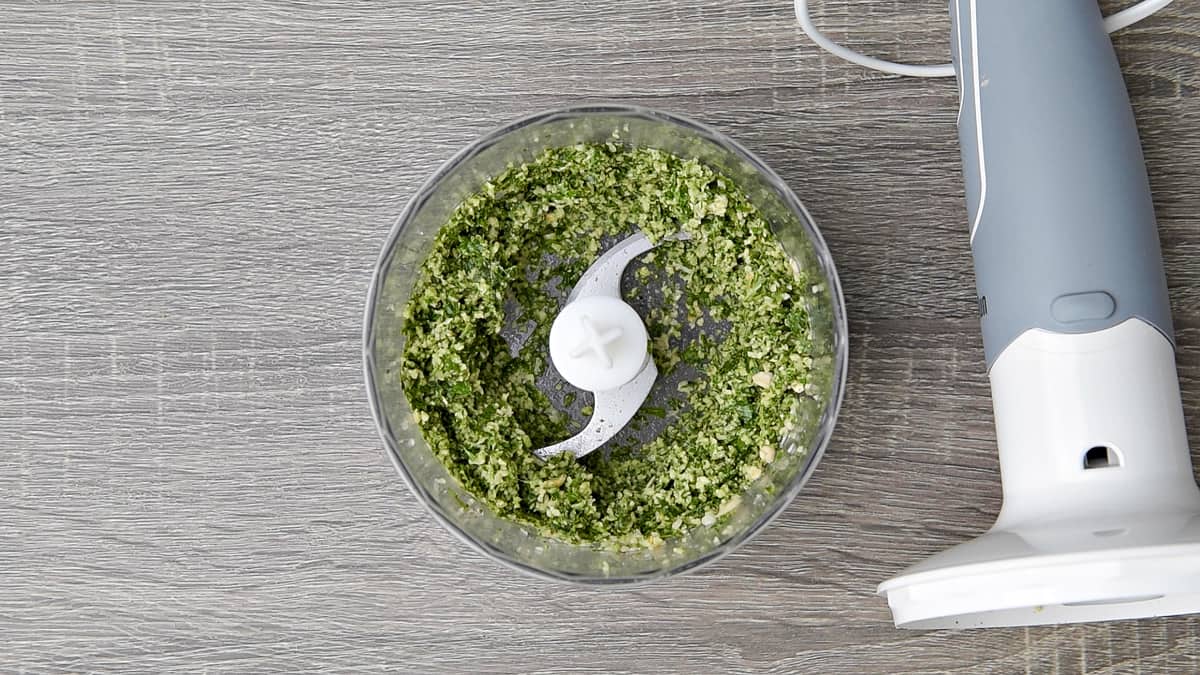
1091,306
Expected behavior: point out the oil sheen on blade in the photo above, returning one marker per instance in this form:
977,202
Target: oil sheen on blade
1100,514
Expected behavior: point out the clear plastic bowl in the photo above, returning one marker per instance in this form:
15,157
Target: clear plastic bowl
411,240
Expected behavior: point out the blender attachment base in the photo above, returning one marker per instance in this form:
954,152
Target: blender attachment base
1101,516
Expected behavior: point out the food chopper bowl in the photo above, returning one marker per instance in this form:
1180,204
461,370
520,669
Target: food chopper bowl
411,239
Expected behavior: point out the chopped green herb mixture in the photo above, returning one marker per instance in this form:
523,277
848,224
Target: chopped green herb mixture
479,408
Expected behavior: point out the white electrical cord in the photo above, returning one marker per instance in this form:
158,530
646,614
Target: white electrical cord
1116,22
1134,14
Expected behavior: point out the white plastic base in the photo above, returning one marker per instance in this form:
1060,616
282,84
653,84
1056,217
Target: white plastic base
1101,515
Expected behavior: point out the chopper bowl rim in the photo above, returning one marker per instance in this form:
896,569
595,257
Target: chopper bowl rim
826,424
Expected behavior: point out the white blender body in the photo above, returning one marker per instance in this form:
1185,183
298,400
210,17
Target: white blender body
1101,514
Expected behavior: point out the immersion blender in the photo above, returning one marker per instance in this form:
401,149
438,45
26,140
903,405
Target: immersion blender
1101,513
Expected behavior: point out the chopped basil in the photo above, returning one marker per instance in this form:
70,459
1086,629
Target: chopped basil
478,404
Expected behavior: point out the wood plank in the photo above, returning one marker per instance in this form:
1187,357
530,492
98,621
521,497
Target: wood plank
192,199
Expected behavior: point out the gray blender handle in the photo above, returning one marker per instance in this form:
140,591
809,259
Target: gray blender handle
1062,224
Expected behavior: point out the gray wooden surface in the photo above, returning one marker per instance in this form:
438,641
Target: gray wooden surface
192,195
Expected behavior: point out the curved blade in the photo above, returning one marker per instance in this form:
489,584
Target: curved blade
603,277
613,408
612,411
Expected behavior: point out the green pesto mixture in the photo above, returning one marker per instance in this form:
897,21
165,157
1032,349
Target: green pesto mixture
479,408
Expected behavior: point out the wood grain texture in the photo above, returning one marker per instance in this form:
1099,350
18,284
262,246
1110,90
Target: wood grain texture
192,196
